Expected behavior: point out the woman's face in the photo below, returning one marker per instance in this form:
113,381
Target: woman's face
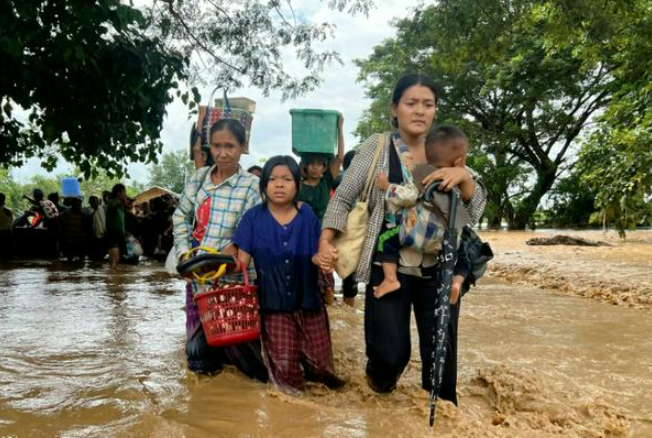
415,111
226,150
281,187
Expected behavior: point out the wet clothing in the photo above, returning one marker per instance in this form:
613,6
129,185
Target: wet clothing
387,333
282,254
6,219
228,202
295,324
6,235
387,320
73,236
349,287
296,340
99,222
317,197
204,359
325,281
115,224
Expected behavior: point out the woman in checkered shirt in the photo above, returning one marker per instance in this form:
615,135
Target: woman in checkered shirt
387,320
213,201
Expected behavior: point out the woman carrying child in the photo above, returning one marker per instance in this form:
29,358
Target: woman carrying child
319,176
387,319
281,236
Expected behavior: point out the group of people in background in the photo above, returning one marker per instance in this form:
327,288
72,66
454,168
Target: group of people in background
111,225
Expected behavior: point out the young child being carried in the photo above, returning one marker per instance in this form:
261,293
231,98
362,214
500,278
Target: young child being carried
446,146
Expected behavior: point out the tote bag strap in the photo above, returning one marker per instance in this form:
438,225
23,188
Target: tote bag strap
372,170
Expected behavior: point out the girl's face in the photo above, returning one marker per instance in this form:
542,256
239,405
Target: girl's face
226,150
281,188
315,169
415,111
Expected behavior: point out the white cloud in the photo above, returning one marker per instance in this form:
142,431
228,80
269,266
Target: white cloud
355,38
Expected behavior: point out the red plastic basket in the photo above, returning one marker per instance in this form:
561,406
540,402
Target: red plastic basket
229,313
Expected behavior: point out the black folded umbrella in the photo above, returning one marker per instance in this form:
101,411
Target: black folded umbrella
445,271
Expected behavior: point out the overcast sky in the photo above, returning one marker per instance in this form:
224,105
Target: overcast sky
355,38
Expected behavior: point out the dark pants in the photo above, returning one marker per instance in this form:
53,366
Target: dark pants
204,359
7,247
387,334
349,287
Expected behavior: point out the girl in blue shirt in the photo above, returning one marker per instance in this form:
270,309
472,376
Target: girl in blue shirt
282,237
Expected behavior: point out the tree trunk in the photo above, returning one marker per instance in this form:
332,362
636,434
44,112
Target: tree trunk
526,208
493,222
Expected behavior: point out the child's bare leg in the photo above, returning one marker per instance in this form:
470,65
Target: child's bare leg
390,282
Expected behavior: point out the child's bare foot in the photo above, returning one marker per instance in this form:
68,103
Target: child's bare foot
329,296
386,287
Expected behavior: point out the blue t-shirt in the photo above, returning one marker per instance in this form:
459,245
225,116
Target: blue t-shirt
282,254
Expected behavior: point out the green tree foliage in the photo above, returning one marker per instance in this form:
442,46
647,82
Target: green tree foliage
530,75
617,164
571,203
247,41
90,81
172,171
92,85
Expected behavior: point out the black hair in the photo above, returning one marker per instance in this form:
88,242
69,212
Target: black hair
348,157
255,167
442,134
38,194
313,158
233,126
54,197
2,199
156,204
117,189
406,82
268,168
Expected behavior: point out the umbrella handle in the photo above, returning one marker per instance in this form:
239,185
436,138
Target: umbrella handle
454,196
431,421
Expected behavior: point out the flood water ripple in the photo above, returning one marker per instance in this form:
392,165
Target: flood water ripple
87,352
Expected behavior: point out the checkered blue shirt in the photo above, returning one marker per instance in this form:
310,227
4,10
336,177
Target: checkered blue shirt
229,200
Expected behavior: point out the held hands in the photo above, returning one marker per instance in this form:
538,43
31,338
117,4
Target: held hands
326,258
382,181
456,288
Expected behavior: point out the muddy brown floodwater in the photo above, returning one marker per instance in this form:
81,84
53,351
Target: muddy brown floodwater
89,352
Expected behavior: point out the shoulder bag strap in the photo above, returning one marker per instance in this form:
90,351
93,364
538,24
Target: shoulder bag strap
372,170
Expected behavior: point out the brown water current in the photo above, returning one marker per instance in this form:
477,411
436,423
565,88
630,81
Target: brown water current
87,352
617,274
